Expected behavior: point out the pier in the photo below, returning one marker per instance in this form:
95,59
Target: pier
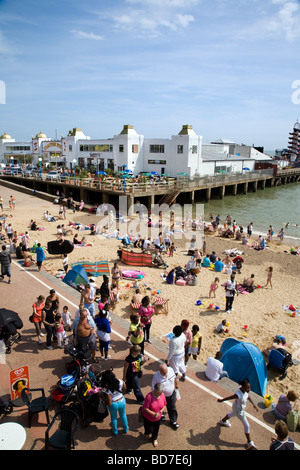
181,189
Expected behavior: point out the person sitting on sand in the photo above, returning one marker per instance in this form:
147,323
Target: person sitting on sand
248,284
84,242
137,297
76,240
278,342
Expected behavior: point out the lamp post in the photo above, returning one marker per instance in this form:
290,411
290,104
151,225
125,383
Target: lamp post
12,162
40,165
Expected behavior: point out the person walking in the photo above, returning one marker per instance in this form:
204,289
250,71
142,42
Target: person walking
103,333
115,400
154,406
238,409
48,321
176,355
146,312
230,290
5,260
40,256
132,371
37,308
167,377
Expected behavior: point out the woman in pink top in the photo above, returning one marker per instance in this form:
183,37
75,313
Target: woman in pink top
146,312
153,407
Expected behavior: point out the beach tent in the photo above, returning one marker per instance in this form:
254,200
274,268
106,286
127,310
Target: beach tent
76,276
244,360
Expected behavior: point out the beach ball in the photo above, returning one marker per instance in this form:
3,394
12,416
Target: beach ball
128,285
158,291
154,292
198,302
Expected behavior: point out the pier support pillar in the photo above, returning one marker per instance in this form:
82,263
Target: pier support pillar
234,189
245,188
151,201
254,186
222,192
207,194
130,204
192,197
105,198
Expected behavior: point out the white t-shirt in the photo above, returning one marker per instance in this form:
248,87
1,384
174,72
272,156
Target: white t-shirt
168,382
214,369
230,286
176,346
115,396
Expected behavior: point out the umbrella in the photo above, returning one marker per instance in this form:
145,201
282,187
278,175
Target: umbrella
182,173
8,316
246,168
101,173
154,173
127,171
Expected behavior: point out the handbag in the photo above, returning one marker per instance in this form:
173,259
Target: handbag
292,419
102,406
141,415
31,318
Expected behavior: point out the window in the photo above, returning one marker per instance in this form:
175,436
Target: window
121,148
70,148
135,148
179,148
156,148
194,148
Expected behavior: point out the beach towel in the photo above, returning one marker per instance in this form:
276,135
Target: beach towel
98,268
166,338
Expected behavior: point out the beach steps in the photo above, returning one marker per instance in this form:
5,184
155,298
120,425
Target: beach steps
169,198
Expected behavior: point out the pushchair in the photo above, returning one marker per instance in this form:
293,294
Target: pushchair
280,360
10,323
66,388
89,404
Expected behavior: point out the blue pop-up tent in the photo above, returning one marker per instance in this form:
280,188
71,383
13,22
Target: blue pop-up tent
76,276
244,360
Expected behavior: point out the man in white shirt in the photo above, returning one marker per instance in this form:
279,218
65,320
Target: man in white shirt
214,370
167,377
175,357
230,289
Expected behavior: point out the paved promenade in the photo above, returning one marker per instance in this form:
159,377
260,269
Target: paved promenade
198,409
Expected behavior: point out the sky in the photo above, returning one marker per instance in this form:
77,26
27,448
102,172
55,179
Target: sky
226,67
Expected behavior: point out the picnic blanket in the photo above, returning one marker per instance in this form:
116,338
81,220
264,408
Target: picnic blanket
98,268
136,259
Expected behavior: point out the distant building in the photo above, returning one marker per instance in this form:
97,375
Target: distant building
183,153
293,153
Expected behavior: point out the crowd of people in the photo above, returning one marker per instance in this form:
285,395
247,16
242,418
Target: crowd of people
91,329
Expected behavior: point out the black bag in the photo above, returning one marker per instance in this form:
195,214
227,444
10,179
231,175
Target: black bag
31,318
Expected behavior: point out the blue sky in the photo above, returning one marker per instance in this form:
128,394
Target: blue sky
224,66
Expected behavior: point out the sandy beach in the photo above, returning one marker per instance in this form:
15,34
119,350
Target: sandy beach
262,311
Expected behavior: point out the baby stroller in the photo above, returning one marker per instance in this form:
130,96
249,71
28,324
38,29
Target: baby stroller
10,323
89,405
280,360
66,388
158,261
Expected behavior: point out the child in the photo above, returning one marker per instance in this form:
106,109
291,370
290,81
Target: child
283,441
60,332
67,320
135,284
269,276
213,287
66,263
195,346
171,249
221,328
238,409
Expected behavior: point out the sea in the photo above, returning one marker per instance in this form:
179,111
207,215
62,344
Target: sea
277,206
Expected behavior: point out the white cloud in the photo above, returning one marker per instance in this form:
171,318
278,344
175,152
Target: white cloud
287,19
85,35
